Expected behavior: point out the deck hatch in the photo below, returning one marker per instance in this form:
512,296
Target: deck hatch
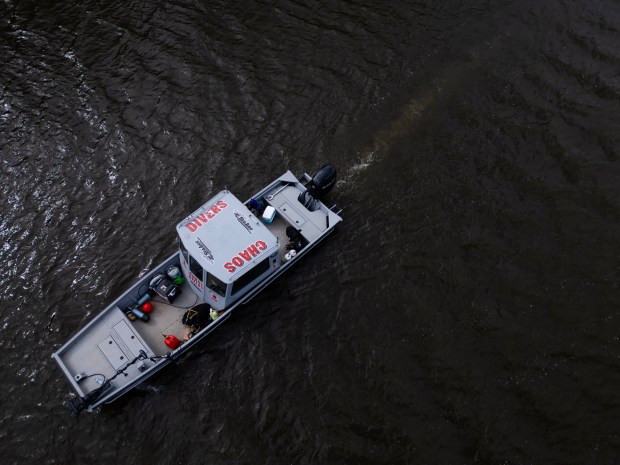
112,352
294,217
129,337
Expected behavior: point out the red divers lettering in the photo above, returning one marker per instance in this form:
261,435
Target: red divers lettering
204,217
245,256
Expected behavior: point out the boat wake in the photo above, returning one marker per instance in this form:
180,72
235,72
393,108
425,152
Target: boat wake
408,119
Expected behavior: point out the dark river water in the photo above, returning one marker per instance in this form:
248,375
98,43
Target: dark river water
467,310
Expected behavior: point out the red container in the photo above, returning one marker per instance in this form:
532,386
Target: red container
172,341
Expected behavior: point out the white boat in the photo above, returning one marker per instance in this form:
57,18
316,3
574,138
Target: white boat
228,252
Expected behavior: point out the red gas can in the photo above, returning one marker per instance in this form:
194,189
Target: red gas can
172,341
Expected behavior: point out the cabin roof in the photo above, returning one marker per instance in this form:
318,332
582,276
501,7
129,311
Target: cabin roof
223,234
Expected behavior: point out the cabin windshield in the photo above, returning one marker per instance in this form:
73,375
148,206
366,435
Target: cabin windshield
250,276
195,268
216,285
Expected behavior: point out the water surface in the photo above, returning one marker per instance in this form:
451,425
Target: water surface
467,310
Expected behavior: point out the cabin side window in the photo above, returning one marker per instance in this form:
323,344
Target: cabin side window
195,268
216,285
250,276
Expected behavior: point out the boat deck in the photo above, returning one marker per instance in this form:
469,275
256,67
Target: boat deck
112,343
166,319
311,224
278,228
115,341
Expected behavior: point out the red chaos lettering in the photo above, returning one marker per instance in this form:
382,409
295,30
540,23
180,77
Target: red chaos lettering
205,216
245,256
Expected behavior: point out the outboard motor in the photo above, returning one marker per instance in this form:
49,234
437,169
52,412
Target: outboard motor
322,182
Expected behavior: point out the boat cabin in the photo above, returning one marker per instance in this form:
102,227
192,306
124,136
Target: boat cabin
225,250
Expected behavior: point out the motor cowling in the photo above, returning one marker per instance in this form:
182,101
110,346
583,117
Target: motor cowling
323,181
